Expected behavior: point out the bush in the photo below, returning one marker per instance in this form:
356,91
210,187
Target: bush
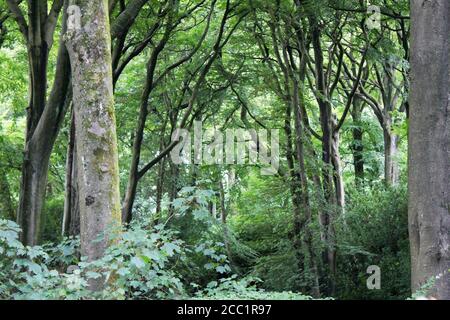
374,231
142,263
244,289
138,265
24,271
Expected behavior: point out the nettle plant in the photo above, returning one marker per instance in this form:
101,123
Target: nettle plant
203,233
26,273
142,262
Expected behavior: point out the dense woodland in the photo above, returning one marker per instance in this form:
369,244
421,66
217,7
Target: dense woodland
94,94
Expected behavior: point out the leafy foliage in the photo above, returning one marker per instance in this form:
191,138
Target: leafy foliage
374,232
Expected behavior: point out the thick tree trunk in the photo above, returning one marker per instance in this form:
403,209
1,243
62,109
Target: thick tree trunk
96,143
429,146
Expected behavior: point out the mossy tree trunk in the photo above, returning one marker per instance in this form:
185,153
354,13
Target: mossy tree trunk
89,46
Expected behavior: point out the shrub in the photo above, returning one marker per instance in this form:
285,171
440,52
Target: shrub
374,231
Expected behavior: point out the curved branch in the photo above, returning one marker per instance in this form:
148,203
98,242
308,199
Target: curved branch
17,14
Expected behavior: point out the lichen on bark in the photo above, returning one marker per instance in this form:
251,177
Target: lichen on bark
90,53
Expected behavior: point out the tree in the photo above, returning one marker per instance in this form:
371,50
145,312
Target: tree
44,113
187,118
429,146
89,46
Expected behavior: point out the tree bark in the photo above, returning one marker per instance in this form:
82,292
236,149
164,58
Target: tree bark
96,142
291,93
38,30
71,217
44,116
391,167
6,203
338,178
357,143
223,219
429,146
326,120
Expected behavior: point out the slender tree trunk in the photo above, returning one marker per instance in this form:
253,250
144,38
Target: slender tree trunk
160,187
326,120
223,219
173,185
338,178
357,143
96,143
294,189
6,203
71,218
299,190
429,146
134,175
306,215
391,168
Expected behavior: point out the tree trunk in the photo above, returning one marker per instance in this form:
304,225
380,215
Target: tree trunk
36,160
160,188
71,218
173,186
326,120
223,219
391,168
357,143
6,204
429,146
44,116
135,175
299,191
338,178
96,142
